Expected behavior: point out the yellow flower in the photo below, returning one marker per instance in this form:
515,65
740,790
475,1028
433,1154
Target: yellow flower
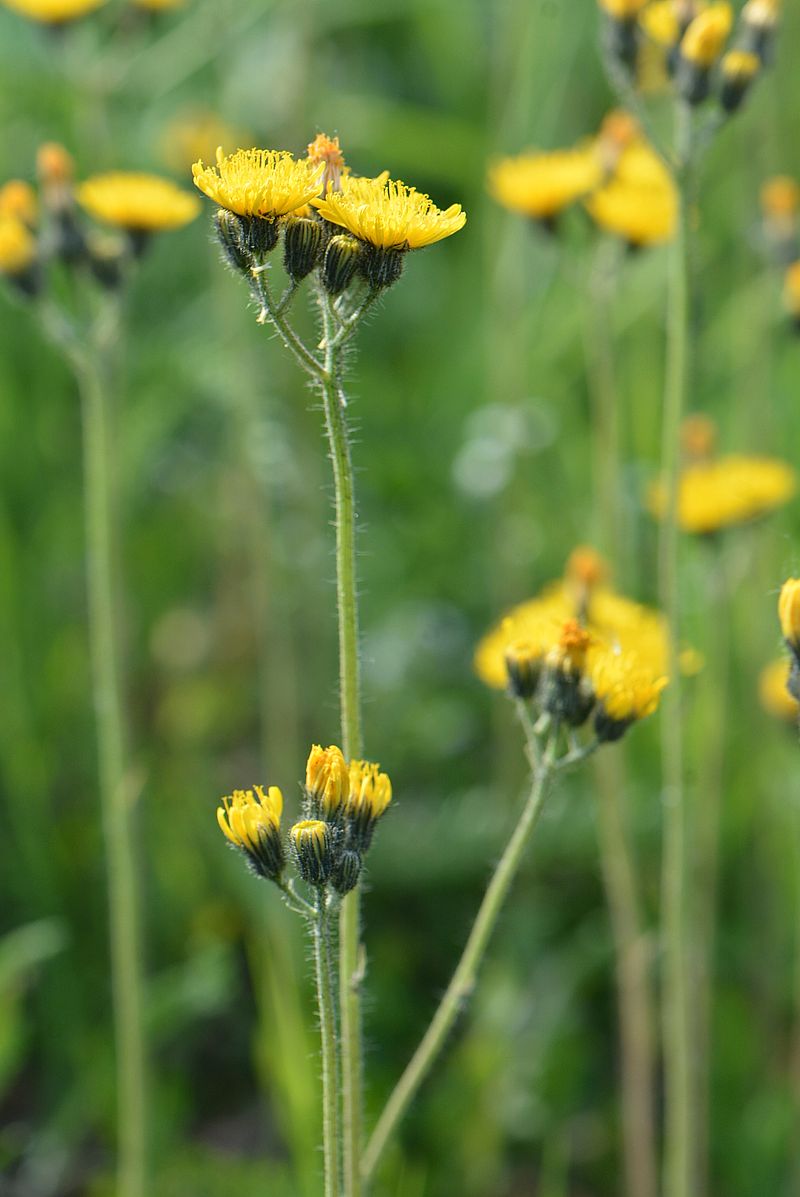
622,10
262,183
17,247
251,821
18,199
388,215
369,795
54,12
327,780
738,69
542,185
773,692
661,22
311,840
703,41
780,197
761,14
791,291
625,691
640,201
158,5
140,203
789,613
721,493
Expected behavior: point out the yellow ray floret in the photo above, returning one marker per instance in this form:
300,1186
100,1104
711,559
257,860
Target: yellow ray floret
327,779
773,693
387,214
18,199
138,202
624,688
640,201
17,246
727,491
264,183
622,10
54,12
706,36
370,791
541,185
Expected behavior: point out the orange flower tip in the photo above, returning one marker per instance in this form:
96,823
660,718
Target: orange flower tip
780,198
586,568
54,164
698,437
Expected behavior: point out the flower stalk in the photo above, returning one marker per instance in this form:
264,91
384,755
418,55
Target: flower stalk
327,1025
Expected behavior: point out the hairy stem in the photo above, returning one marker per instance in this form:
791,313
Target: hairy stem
463,980
679,1145
327,1030
115,790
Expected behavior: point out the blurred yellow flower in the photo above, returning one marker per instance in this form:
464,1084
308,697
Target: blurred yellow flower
327,780
262,183
540,185
640,200
789,613
195,134
139,203
780,197
661,22
18,199
622,10
773,693
387,214
791,291
158,5
703,41
726,491
53,12
17,246
625,690
251,821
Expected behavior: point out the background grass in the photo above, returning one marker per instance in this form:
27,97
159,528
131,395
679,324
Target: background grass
475,455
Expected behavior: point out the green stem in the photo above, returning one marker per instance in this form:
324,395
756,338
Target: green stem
350,972
679,1146
115,794
463,980
327,1029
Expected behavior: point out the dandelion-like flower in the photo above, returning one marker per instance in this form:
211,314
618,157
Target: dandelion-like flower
640,201
540,185
773,691
54,12
251,821
259,183
726,491
707,34
327,781
138,203
625,691
388,215
369,795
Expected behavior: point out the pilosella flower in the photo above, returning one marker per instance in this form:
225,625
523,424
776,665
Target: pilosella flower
54,12
540,186
773,691
18,255
738,71
640,201
18,200
701,46
137,202
386,218
368,798
312,844
254,189
625,692
251,821
327,781
789,616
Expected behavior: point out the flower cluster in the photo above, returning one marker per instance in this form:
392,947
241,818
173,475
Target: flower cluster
706,52
616,175
715,493
41,229
341,225
342,804
579,649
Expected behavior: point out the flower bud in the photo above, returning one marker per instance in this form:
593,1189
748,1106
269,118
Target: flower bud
230,232
566,693
346,872
370,793
303,241
524,667
759,21
327,782
251,820
789,614
342,259
738,70
311,842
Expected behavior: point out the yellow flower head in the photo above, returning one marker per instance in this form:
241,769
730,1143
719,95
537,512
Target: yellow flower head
698,437
780,197
661,22
789,612
622,10
327,780
640,201
542,185
262,183
625,691
706,36
740,66
791,291
54,12
369,795
523,667
18,199
326,150
773,692
761,14
159,5
568,654
140,203
251,821
17,247
721,493
311,840
387,214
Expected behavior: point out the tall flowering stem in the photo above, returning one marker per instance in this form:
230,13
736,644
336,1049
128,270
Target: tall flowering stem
679,1148
327,1023
89,358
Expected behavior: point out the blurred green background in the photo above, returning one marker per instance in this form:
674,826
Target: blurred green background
475,455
